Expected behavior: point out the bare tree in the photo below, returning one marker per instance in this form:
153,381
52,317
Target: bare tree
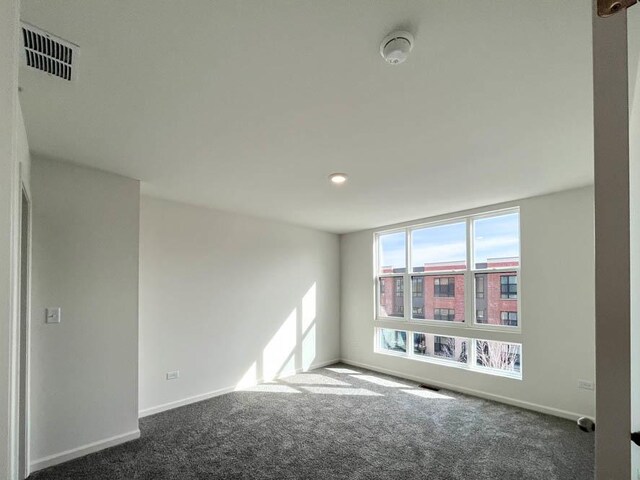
498,355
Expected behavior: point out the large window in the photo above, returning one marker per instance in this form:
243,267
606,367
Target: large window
499,358
436,264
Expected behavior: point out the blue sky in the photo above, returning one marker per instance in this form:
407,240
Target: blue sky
495,237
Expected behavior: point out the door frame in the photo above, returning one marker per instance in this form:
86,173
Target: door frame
612,245
24,370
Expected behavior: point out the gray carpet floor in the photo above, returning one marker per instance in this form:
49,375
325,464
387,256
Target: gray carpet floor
343,422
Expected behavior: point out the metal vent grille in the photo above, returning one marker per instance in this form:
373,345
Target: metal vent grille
48,53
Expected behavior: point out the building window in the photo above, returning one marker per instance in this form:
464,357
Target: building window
480,283
509,318
447,314
417,286
437,262
391,297
508,286
399,287
398,304
444,287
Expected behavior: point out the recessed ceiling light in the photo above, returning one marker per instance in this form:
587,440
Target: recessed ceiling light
338,178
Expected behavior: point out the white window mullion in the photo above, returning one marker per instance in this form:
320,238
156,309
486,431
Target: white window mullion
472,354
469,293
408,292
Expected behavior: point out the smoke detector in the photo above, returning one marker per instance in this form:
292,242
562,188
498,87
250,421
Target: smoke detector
396,46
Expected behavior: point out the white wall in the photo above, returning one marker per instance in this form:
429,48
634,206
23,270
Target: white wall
84,371
557,295
634,207
12,146
23,154
228,299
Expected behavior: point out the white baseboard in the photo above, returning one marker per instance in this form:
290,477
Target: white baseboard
205,396
83,450
469,391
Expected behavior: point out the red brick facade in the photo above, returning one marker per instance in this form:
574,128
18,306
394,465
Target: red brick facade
495,303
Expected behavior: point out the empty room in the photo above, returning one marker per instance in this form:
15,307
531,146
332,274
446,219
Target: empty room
319,239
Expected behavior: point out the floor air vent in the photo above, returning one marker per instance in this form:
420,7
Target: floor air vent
48,53
429,387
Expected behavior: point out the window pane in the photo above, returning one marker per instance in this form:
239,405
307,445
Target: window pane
391,297
438,297
498,355
439,248
497,241
437,346
391,253
496,298
392,340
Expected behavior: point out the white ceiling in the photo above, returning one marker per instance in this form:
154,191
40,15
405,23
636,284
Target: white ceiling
248,105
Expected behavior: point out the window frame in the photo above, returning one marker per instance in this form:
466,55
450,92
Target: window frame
469,273
471,345
507,269
469,328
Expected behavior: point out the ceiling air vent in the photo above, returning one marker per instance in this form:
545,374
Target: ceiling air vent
48,53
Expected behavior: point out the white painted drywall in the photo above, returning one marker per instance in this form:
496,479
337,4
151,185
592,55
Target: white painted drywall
84,371
633,17
24,162
229,299
23,154
513,75
557,295
12,148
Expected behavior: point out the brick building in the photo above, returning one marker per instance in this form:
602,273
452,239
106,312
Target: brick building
442,296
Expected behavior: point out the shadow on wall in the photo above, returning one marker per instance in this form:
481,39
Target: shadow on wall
291,349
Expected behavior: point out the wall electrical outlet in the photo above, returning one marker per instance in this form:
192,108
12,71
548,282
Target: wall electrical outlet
173,375
585,385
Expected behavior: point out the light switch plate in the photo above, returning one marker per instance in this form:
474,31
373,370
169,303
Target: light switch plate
173,375
53,315
586,385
